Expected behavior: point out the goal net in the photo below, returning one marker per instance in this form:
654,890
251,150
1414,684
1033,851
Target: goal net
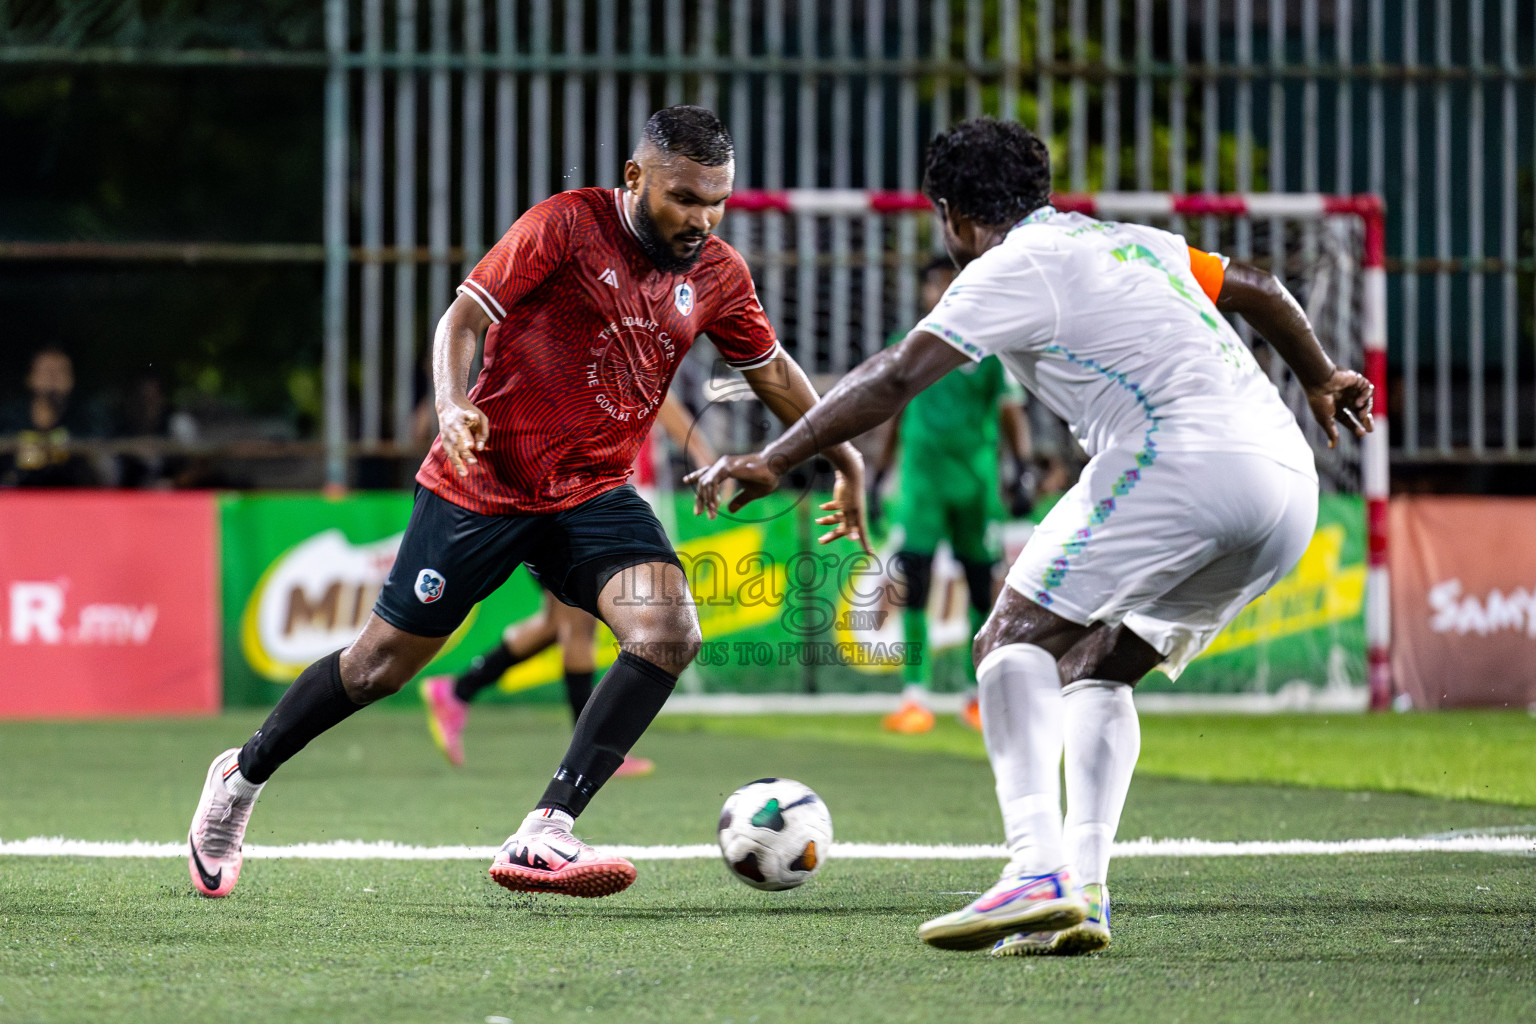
838,272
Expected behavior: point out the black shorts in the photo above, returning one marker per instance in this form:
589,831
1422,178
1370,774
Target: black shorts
451,558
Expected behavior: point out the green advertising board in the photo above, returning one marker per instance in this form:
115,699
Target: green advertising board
1309,627
300,574
779,613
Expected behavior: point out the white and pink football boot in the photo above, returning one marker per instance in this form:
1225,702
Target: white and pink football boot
218,830
543,856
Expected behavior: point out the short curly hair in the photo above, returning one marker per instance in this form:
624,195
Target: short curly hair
693,132
994,172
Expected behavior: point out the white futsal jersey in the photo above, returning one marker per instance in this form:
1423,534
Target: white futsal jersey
1106,323
1200,491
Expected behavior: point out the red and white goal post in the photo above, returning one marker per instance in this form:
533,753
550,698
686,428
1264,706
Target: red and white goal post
1329,250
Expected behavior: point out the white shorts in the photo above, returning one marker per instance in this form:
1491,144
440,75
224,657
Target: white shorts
1173,549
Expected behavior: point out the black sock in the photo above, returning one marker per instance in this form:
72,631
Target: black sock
315,702
917,570
978,580
483,672
578,690
632,693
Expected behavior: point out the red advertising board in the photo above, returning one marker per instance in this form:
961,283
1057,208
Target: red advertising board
1464,600
109,603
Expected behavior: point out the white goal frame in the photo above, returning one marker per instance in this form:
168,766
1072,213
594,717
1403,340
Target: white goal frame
1369,210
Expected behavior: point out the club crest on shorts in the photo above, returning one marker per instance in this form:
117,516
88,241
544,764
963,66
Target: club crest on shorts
682,298
429,585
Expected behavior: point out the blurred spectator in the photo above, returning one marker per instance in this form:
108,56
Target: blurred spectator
44,422
147,415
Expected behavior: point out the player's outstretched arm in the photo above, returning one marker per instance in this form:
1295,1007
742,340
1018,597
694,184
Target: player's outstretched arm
784,388
462,426
867,396
1335,394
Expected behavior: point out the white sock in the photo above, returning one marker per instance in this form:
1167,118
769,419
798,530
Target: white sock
545,819
1022,724
915,693
1103,740
235,783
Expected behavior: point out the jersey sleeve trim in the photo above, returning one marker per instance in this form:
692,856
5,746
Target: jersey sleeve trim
757,361
1210,270
485,299
968,349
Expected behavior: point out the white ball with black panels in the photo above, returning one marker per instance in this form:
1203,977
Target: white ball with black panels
774,833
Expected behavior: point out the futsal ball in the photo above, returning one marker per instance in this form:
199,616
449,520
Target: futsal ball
774,833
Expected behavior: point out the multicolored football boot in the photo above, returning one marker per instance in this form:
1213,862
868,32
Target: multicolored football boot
446,715
1025,944
218,830
1091,936
552,860
1018,903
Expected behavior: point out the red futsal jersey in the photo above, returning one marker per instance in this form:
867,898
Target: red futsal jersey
586,335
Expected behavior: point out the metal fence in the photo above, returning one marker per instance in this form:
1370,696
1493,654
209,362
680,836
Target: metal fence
445,118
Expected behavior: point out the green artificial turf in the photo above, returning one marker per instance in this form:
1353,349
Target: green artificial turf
1463,755
1324,938
377,776
1382,938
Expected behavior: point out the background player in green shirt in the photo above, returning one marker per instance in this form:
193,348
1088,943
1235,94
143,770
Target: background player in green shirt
949,487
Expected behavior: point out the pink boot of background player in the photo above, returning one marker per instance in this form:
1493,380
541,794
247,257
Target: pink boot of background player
446,715
634,767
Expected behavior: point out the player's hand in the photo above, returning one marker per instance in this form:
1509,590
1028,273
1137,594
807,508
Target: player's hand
464,430
1345,397
723,493
846,510
752,471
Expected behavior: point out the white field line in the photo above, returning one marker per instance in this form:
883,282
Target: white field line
57,846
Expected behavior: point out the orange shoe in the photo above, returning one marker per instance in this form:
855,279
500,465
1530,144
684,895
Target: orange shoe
971,714
911,719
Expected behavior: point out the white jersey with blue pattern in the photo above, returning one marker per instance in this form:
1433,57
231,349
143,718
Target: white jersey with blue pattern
1106,324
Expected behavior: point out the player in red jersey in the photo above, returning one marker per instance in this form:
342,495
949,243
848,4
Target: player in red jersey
591,299
447,698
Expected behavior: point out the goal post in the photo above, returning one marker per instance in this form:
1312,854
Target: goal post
865,246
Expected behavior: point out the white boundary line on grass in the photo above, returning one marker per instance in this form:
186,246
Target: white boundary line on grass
57,846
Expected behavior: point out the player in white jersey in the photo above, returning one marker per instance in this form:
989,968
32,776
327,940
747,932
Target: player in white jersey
1200,493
